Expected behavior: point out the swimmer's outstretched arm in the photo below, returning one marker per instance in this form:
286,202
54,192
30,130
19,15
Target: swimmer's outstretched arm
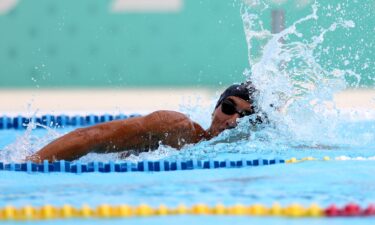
170,128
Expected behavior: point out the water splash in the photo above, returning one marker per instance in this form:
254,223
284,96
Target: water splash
296,89
28,143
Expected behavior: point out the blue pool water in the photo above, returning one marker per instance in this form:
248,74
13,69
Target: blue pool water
322,182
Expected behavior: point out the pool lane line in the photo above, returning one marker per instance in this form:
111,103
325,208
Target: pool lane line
57,121
327,158
123,167
105,211
155,166
295,160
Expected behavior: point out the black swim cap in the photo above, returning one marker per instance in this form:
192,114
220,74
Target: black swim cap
246,91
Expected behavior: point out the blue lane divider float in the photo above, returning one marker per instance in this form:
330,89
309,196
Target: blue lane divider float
121,167
19,122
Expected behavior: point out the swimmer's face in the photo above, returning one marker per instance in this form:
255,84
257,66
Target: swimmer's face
226,114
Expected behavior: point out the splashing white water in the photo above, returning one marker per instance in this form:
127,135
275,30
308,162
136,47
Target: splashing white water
27,143
295,89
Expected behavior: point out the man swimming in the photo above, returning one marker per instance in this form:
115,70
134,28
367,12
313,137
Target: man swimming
147,132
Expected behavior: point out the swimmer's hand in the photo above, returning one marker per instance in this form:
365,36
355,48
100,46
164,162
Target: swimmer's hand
140,133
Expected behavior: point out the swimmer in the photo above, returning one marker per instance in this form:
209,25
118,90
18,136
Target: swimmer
147,132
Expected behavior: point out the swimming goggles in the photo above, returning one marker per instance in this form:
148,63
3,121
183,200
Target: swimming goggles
228,107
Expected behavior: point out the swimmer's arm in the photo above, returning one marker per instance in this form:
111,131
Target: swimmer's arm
117,136
107,137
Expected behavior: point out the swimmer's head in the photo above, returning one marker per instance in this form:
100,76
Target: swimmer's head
245,91
235,102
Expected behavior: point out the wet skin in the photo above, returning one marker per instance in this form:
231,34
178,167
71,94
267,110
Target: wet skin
141,134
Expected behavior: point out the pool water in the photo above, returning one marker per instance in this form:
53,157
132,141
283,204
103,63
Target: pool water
323,182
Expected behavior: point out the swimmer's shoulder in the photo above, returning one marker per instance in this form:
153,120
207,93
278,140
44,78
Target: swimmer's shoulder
160,119
179,124
168,114
170,117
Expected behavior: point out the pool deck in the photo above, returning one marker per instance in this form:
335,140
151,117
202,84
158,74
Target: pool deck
40,101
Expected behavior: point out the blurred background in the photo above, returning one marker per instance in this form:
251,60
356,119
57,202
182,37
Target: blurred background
143,55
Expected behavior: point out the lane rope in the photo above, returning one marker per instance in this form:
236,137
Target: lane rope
155,166
126,166
57,121
105,211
